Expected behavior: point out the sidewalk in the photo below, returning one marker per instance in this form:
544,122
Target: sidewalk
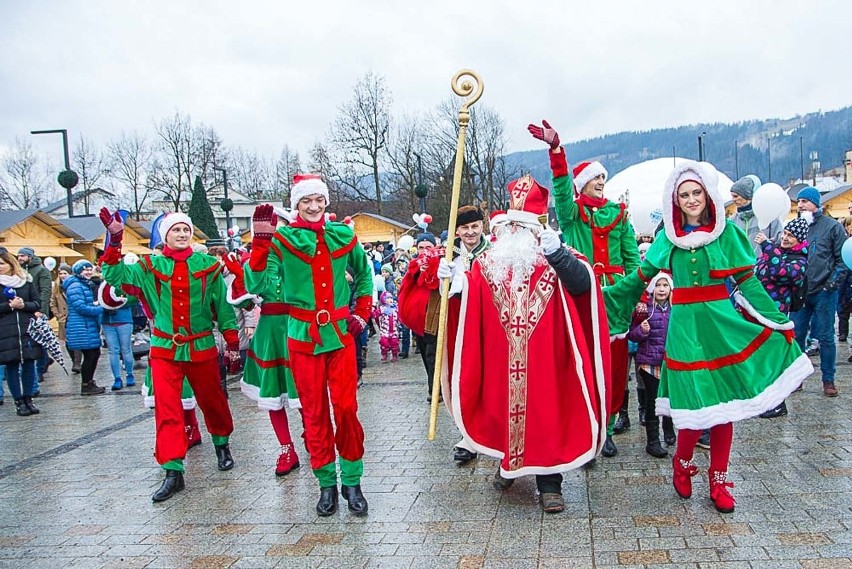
76,480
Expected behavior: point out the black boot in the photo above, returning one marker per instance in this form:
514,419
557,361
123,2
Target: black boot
28,401
170,486
609,449
462,456
327,504
652,432
779,411
91,388
640,396
223,454
623,421
22,408
357,501
669,434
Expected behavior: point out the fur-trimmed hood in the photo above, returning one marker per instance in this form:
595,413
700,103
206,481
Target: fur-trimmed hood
705,174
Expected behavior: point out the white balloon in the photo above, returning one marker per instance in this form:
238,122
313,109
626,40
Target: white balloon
49,263
770,202
640,215
406,242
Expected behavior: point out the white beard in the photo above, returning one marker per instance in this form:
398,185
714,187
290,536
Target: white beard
512,258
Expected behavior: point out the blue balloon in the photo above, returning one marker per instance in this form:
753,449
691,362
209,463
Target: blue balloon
846,253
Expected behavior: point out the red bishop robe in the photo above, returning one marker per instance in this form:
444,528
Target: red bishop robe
525,371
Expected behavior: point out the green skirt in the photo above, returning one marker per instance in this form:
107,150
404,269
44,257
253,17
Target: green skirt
267,378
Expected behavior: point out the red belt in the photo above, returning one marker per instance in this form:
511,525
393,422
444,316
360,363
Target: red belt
318,318
181,339
275,308
699,294
601,269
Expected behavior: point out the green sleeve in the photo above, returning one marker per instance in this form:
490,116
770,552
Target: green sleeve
620,299
363,273
629,248
759,299
120,274
563,199
257,281
225,316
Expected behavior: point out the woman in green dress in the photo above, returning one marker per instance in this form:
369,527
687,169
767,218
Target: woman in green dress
722,363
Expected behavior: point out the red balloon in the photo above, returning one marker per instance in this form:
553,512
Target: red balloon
347,220
332,216
427,218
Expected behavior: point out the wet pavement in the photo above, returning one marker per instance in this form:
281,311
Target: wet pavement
76,480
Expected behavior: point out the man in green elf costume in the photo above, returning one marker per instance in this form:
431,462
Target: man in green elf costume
600,230
308,259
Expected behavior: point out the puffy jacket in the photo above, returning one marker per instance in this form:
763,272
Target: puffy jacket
15,343
826,270
781,271
652,344
42,282
83,328
123,315
59,308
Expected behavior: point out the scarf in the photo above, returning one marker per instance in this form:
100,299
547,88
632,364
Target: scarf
182,255
591,202
745,208
13,281
315,226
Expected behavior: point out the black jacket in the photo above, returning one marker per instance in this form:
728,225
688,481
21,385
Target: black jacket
571,272
15,343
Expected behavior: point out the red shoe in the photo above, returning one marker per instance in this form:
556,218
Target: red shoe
193,437
684,470
719,493
287,461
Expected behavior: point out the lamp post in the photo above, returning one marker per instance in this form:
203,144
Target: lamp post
737,159
701,146
769,157
420,190
802,157
68,178
226,204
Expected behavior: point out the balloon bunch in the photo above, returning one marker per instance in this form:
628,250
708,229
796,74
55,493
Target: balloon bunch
422,220
234,231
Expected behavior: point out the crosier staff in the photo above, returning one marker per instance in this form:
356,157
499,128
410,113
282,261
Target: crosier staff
465,83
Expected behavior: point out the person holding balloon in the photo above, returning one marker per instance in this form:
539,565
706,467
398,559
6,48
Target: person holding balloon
742,192
721,364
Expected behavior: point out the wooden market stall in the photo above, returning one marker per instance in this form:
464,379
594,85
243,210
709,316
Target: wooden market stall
47,236
92,234
373,228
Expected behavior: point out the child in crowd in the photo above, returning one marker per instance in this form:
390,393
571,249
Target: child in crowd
387,317
781,270
649,329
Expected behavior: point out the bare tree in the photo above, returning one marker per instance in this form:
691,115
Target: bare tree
288,165
130,160
406,159
176,155
359,136
90,165
24,183
250,173
319,162
210,151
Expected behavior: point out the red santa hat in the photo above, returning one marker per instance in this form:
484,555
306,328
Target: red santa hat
528,202
305,185
108,298
172,219
585,172
498,217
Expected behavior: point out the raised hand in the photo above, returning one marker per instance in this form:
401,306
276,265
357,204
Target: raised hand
114,226
233,263
546,133
549,241
264,221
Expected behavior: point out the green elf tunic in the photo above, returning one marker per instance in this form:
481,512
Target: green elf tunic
721,364
267,378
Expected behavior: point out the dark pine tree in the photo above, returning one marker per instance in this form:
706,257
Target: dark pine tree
200,211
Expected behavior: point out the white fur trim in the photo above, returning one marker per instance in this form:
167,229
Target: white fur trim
114,300
525,218
268,403
741,300
598,434
709,178
306,188
738,410
148,400
653,282
589,173
172,219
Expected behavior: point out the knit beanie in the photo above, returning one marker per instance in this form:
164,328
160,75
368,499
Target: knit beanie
305,185
387,268
81,266
425,237
798,227
26,251
811,194
64,267
746,186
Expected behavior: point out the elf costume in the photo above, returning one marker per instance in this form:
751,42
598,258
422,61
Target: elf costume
722,364
308,262
185,293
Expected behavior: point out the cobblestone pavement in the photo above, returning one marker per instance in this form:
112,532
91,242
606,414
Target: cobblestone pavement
76,480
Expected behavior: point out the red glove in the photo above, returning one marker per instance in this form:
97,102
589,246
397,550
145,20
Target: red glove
263,222
233,264
114,226
545,133
355,324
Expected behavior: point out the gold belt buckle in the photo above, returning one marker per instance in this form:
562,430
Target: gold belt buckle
175,339
327,317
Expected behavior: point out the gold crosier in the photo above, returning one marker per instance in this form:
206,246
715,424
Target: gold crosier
465,83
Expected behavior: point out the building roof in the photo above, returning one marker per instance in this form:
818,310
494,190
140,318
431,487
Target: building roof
11,218
382,218
90,228
54,207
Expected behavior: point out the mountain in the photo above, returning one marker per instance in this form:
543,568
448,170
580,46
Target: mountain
789,142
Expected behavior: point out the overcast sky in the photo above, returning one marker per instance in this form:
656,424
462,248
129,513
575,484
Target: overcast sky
268,73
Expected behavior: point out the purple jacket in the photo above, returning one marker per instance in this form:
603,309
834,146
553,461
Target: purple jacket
652,344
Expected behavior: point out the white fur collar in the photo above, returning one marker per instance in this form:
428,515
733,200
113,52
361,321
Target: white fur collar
709,178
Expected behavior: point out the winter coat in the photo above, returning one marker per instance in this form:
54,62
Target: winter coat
15,343
746,221
652,344
41,280
123,315
59,309
845,297
826,270
83,327
781,271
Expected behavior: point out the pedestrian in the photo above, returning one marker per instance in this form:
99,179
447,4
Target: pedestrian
117,322
782,270
59,310
387,317
186,294
19,304
44,285
826,272
84,323
720,366
309,259
601,230
844,299
425,336
742,193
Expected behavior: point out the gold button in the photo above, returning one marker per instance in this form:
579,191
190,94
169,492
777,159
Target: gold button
594,209
692,251
322,268
694,272
323,285
695,283
182,318
694,260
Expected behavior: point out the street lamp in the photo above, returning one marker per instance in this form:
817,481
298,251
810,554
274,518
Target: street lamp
420,190
226,204
737,158
701,146
68,178
802,157
769,156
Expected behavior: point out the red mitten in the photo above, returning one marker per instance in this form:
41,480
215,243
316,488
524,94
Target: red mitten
355,324
234,264
263,222
114,226
546,133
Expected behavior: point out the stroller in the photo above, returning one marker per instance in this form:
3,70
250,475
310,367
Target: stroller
141,340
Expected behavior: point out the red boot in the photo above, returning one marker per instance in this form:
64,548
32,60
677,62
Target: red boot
684,470
287,461
719,493
193,436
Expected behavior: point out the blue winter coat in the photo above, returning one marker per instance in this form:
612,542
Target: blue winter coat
83,327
